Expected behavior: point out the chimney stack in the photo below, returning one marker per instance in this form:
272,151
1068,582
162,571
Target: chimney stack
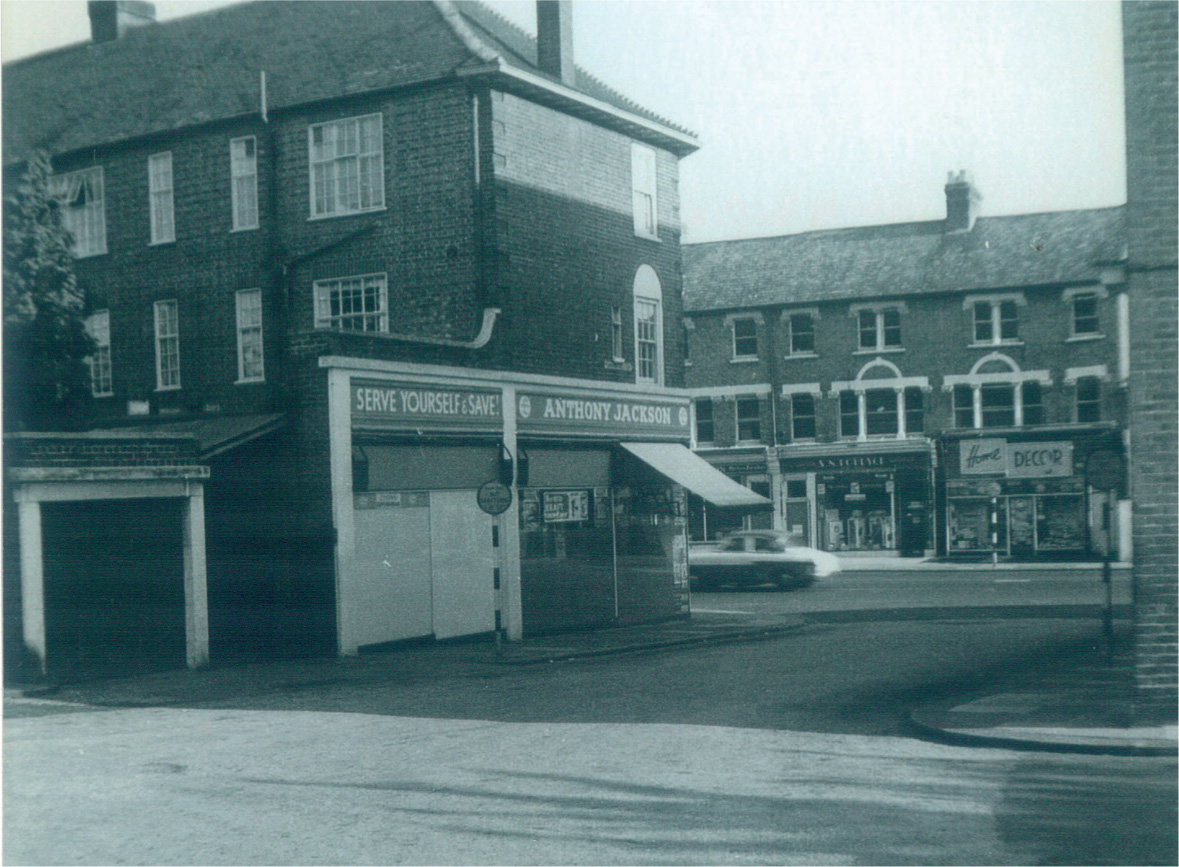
961,199
111,19
554,39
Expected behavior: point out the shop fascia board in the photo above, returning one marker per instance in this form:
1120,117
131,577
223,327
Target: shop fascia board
874,447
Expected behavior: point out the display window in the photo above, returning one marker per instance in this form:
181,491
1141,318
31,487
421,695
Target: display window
1026,524
857,511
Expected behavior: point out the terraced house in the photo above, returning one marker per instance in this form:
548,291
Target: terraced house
918,388
347,263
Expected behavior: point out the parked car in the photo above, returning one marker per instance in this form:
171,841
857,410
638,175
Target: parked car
755,557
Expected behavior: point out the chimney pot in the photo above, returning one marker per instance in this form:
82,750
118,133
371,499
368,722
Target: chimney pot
961,202
554,39
111,19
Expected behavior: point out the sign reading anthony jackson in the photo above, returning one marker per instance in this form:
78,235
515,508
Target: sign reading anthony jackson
556,412
394,405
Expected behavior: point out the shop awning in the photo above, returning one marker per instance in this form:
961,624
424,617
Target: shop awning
683,467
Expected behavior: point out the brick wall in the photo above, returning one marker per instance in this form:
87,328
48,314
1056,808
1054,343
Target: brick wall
1149,42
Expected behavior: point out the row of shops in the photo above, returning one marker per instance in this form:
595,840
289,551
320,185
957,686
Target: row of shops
969,496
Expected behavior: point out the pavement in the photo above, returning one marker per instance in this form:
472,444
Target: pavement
1083,702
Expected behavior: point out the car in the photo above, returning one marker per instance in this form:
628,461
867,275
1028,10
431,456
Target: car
751,558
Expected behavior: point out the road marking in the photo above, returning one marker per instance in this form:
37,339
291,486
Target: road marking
1013,580
719,611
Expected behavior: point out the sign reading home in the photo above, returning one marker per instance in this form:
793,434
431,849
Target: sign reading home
554,412
1015,460
412,405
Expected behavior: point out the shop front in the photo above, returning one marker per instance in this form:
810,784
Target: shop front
749,468
469,502
866,502
1021,498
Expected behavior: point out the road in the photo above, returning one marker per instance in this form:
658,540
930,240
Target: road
788,751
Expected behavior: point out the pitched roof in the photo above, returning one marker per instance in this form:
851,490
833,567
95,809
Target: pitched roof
207,67
902,259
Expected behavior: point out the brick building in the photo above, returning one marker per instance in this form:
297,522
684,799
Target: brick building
891,388
370,257
1151,57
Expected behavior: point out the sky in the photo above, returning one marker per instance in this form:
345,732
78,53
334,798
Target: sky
819,114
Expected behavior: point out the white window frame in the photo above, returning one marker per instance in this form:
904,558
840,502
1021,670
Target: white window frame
98,326
741,321
648,326
696,420
243,182
738,418
1013,376
644,182
347,155
161,201
378,316
248,314
814,416
616,349
86,223
893,381
167,333
995,303
788,324
1097,294
879,310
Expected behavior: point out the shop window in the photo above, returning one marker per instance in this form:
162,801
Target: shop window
1088,399
83,210
802,416
998,404
963,406
880,407
1033,403
744,338
1086,322
748,419
914,411
849,414
880,329
705,422
800,334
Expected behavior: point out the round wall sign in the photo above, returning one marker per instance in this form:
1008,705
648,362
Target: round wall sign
494,497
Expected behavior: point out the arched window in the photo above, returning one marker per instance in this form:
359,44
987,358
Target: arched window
996,393
648,299
881,402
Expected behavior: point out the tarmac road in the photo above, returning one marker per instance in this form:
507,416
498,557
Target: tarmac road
783,751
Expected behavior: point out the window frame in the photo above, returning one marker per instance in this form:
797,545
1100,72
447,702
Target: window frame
792,334
995,321
318,168
86,223
914,415
322,300
889,414
809,419
243,184
616,348
247,332
1095,298
992,389
879,327
744,421
644,189
1086,405
98,326
167,344
737,340
845,397
647,306
161,198
699,422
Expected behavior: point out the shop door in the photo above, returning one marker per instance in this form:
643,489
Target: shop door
463,565
796,509
759,520
392,598
1021,524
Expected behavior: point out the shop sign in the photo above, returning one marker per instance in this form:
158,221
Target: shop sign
557,412
1033,460
855,462
392,500
494,497
562,507
412,405
979,457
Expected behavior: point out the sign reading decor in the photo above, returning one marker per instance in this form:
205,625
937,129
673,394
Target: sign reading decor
411,405
556,412
1015,460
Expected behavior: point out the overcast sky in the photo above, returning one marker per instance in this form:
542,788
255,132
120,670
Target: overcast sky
818,114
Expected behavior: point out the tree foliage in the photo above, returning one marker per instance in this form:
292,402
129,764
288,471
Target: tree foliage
46,378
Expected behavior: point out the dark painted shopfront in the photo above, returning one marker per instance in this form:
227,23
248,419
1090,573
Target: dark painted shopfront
858,503
1022,497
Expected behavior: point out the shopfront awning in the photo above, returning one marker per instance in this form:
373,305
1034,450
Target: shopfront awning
683,467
